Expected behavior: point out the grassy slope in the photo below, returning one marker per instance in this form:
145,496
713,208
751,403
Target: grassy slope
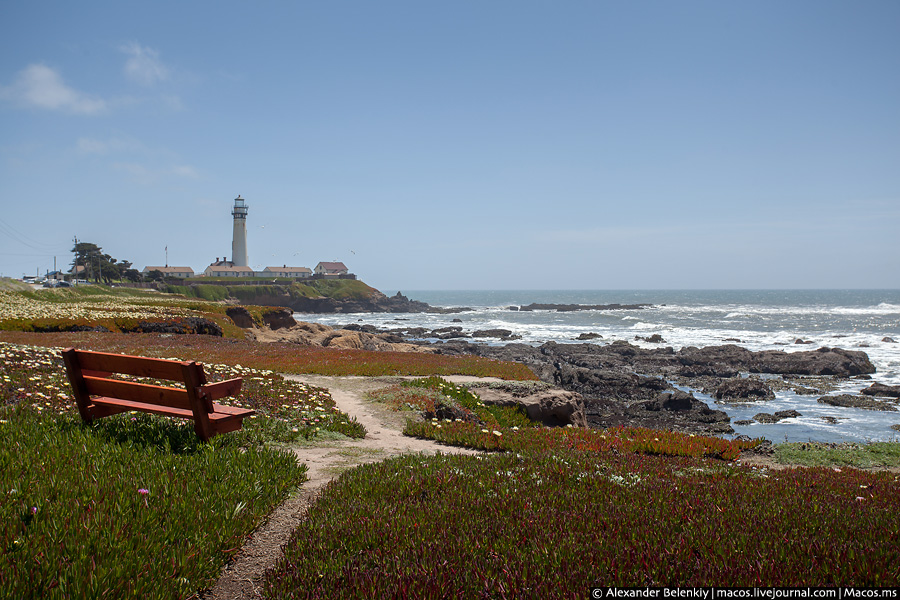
339,289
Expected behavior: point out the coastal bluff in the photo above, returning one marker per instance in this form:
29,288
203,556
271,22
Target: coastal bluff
322,296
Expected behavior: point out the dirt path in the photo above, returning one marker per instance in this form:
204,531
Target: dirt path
242,578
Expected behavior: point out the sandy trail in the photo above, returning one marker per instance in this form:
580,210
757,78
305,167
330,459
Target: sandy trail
242,578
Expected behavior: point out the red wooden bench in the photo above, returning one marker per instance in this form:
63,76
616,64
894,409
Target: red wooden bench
97,395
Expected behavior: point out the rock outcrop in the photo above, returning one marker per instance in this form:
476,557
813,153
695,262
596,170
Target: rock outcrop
621,383
863,402
553,407
879,389
179,326
744,389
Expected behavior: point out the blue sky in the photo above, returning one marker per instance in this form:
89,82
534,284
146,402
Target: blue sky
461,145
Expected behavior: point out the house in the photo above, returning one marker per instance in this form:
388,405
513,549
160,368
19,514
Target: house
167,271
331,269
214,270
286,271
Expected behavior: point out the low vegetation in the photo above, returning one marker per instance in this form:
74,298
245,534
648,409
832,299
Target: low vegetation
616,440
279,357
135,506
286,410
247,289
434,395
551,523
864,456
129,507
89,307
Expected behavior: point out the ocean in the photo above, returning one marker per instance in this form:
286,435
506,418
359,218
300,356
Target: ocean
760,319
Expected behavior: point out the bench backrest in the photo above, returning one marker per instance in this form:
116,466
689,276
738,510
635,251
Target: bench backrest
95,368
89,373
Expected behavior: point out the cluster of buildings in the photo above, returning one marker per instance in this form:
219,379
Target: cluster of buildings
238,265
227,268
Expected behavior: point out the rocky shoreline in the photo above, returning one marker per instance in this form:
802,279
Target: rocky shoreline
623,384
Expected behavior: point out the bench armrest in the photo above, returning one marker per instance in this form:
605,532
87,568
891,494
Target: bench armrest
222,389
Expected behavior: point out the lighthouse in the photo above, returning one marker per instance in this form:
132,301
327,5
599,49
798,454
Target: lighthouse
239,238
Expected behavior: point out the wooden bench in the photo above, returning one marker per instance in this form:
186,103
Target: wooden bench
97,395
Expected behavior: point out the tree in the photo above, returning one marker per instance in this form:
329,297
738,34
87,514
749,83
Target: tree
156,275
96,265
132,275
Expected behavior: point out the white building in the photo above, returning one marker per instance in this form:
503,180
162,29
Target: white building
286,271
179,272
331,269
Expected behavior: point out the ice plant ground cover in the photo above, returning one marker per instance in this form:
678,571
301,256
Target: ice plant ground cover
549,524
614,440
278,357
131,507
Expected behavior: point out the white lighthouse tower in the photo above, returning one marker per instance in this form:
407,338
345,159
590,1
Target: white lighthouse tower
239,239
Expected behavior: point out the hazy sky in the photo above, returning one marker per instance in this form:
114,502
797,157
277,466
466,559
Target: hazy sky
461,144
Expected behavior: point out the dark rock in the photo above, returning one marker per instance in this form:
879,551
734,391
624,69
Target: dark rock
679,411
279,318
653,339
57,327
823,361
896,427
879,389
744,422
589,336
456,321
448,333
799,341
740,388
512,308
847,400
888,340
451,335
732,340
594,383
829,420
503,334
356,327
240,316
764,448
778,416
574,307
787,414
765,418
442,330
184,325
805,391
450,412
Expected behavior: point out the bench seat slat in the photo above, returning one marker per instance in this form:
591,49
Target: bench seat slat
139,392
137,366
222,413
